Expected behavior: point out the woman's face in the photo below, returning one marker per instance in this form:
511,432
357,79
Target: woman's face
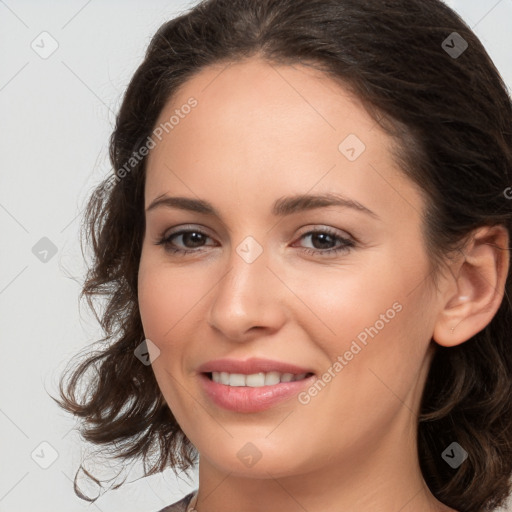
337,285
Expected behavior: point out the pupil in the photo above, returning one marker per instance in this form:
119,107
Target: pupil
194,237
323,235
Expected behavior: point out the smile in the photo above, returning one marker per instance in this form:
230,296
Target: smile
255,380
250,393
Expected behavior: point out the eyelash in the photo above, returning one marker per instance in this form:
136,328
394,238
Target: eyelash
346,246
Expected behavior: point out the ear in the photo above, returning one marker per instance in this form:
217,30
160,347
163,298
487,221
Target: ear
476,288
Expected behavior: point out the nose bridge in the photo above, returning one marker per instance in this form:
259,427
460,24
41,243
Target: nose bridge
246,296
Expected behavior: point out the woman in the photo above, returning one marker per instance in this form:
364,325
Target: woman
305,252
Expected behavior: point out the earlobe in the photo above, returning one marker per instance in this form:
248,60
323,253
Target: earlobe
479,279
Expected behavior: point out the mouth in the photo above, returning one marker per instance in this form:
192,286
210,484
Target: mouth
254,392
255,380
252,385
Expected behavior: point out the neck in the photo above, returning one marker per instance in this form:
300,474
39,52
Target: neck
384,477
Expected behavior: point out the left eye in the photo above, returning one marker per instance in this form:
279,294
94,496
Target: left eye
194,240
327,237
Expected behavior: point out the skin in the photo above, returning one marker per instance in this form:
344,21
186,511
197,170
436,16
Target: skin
261,132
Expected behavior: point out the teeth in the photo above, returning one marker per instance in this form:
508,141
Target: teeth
255,380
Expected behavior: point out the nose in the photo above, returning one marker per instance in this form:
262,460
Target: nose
248,301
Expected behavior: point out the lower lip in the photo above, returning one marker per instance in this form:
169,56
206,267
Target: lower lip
248,399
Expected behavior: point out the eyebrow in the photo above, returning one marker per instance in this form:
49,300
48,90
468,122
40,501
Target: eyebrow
281,208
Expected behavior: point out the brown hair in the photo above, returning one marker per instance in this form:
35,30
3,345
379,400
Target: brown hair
451,115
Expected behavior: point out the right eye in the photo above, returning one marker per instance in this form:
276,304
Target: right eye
190,238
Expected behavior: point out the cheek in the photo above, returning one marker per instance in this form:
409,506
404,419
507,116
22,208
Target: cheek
343,302
157,302
377,317
166,297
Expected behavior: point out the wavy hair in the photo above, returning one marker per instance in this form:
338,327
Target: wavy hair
451,116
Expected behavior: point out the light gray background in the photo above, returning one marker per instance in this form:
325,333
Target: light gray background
57,114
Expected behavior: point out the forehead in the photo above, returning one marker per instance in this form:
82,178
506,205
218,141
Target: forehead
293,127
255,94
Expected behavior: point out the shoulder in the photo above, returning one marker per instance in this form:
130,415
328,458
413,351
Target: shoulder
179,506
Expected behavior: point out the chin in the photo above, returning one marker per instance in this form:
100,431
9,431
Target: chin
256,459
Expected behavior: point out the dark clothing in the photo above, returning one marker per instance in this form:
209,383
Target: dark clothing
179,506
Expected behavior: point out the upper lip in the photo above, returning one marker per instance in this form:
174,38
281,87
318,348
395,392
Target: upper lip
250,366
